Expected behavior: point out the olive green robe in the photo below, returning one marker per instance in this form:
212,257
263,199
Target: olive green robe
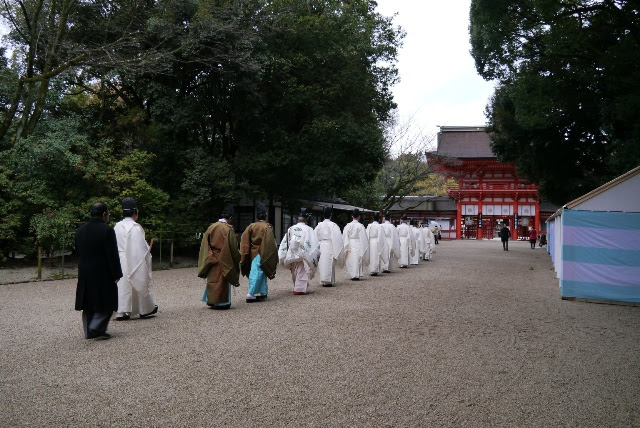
219,261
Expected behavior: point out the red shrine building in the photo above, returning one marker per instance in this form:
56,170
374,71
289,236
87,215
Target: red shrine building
488,193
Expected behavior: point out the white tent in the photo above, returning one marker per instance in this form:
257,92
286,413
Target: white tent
594,242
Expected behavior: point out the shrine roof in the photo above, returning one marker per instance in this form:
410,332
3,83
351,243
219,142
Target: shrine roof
464,142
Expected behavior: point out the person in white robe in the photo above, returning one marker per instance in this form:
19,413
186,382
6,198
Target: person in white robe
393,244
378,251
407,243
356,246
134,288
299,251
331,249
428,241
419,240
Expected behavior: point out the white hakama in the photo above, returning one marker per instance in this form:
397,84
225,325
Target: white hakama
356,248
378,249
331,251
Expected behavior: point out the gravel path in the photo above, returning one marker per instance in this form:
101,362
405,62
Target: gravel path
475,337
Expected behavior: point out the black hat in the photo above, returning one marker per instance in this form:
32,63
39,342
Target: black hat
387,214
261,209
404,217
326,212
356,212
376,215
129,205
303,213
227,211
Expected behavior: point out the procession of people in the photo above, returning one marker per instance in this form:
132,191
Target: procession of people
115,263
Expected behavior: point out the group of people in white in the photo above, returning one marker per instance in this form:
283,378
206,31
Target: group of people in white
378,248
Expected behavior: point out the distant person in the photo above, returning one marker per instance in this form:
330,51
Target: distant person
219,261
543,239
331,248
533,237
98,272
378,251
407,242
505,234
419,251
436,234
300,252
393,243
134,288
429,240
258,255
356,246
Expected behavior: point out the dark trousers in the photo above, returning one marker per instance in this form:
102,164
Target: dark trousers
95,323
505,245
533,243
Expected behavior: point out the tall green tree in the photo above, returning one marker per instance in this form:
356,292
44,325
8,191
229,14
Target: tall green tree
566,107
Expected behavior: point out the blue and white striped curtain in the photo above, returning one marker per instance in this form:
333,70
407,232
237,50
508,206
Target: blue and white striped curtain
601,255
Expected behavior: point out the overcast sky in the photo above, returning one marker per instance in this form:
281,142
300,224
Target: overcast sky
438,80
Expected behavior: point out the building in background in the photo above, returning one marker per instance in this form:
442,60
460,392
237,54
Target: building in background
488,192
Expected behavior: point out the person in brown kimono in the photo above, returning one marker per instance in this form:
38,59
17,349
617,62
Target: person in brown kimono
219,261
259,255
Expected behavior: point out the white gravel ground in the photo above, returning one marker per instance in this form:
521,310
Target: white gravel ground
475,337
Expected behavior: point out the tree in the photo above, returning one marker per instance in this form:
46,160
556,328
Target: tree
565,109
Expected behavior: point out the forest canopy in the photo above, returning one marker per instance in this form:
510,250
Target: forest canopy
566,109
186,104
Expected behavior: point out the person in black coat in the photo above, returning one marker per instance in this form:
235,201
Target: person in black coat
505,234
98,273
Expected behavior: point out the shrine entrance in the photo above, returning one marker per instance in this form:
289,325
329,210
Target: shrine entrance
469,228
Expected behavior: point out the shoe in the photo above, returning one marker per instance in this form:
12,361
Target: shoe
386,271
327,285
299,293
355,279
374,273
261,297
220,308
125,317
254,300
154,311
100,336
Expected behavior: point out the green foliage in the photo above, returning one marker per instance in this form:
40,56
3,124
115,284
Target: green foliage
565,110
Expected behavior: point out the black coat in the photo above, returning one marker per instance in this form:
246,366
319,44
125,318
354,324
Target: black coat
98,267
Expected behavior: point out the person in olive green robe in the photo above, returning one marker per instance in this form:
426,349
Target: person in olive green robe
259,255
219,261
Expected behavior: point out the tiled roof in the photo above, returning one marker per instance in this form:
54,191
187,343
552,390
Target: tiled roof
464,142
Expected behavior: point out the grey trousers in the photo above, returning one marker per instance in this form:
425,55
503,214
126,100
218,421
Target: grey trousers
95,323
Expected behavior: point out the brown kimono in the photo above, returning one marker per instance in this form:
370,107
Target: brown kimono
258,238
219,261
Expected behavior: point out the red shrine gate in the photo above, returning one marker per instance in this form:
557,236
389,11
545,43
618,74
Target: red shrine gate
488,193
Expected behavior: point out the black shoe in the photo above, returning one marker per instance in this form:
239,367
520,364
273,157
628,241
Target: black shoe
100,336
355,279
220,308
261,297
254,300
126,317
154,311
327,285
386,271
374,273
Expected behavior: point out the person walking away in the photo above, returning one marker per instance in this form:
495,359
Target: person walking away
407,242
134,288
300,252
429,240
436,233
356,246
378,251
98,273
258,255
533,237
419,240
331,248
505,234
393,243
219,260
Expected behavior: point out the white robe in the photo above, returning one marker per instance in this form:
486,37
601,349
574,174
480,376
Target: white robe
407,244
356,248
134,288
419,250
393,245
428,242
300,244
378,251
331,250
